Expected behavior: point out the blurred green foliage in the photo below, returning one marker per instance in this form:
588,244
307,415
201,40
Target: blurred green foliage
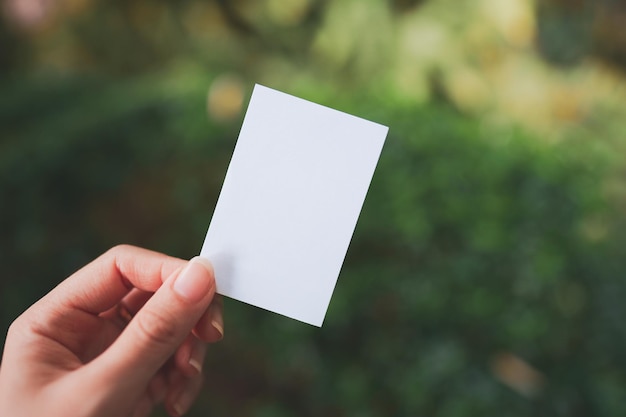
485,274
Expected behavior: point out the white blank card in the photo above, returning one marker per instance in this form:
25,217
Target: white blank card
290,202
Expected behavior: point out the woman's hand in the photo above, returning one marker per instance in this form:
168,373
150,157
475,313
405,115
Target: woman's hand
121,335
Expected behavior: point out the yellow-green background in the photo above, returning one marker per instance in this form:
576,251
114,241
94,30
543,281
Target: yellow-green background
486,274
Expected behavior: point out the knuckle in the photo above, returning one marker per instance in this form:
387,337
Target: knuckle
26,322
25,329
156,328
15,327
118,249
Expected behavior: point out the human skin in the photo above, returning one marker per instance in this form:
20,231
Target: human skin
120,336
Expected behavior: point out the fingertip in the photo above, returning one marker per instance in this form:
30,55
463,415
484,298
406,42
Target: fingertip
196,358
182,357
196,281
180,400
189,357
216,317
210,327
205,263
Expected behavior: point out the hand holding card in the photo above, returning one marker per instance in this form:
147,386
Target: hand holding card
290,202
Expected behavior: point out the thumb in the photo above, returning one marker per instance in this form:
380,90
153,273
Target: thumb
156,331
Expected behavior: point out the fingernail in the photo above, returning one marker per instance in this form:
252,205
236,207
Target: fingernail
217,320
196,365
178,410
183,403
195,281
195,359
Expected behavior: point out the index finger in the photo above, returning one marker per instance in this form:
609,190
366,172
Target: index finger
101,284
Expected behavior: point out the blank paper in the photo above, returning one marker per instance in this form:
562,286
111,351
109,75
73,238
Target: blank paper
290,202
